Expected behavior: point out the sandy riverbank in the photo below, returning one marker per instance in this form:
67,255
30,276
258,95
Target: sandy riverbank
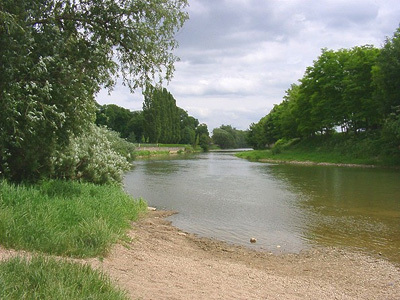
162,262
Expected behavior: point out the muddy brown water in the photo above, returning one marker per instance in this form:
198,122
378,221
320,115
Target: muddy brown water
287,208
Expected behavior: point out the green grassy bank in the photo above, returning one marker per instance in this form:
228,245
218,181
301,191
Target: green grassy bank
335,149
47,278
62,218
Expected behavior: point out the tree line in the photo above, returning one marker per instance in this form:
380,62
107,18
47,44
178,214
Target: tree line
160,121
352,91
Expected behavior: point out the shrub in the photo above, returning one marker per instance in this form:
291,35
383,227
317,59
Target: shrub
98,155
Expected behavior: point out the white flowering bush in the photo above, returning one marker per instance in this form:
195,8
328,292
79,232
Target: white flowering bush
98,155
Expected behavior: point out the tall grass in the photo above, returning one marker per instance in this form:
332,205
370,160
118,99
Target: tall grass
64,217
47,278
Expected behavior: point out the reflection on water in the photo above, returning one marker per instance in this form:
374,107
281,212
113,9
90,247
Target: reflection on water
352,207
286,207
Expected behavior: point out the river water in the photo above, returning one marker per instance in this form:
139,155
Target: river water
287,208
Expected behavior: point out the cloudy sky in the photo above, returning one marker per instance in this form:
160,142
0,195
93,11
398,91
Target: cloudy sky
238,57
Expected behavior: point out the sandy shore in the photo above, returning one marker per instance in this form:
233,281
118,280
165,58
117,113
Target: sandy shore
162,262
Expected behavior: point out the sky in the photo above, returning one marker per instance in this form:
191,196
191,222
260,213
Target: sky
238,57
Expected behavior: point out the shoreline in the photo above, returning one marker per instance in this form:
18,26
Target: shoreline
160,261
312,163
164,262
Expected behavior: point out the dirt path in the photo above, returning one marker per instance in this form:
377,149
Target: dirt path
162,262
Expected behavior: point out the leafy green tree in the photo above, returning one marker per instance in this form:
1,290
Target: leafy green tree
223,139
227,136
188,136
320,102
116,118
55,56
204,137
136,127
162,116
387,74
361,110
256,136
202,129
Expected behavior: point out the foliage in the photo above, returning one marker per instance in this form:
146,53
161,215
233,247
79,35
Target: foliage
161,115
164,122
54,57
65,217
228,137
223,139
97,155
341,148
387,74
48,278
356,90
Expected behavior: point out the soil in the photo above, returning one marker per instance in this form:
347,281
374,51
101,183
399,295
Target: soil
162,262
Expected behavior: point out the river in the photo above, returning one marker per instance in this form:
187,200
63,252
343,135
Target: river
287,208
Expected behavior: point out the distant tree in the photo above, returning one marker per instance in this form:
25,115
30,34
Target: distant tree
163,119
204,142
188,136
202,129
204,137
136,127
116,118
223,139
227,136
256,137
129,124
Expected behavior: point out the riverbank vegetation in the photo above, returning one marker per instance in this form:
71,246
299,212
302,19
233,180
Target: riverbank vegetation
59,171
65,218
228,137
47,278
160,121
335,149
346,106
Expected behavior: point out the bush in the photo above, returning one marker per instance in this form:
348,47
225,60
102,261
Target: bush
98,155
47,278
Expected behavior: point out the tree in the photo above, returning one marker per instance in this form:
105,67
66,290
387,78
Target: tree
386,75
227,136
55,56
203,136
223,139
256,136
162,116
361,110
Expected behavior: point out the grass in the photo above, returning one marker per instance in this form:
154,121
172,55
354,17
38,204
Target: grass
142,153
337,149
65,218
48,278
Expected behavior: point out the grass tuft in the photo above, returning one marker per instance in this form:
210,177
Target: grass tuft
46,278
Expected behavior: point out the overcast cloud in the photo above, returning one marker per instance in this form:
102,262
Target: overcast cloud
238,57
